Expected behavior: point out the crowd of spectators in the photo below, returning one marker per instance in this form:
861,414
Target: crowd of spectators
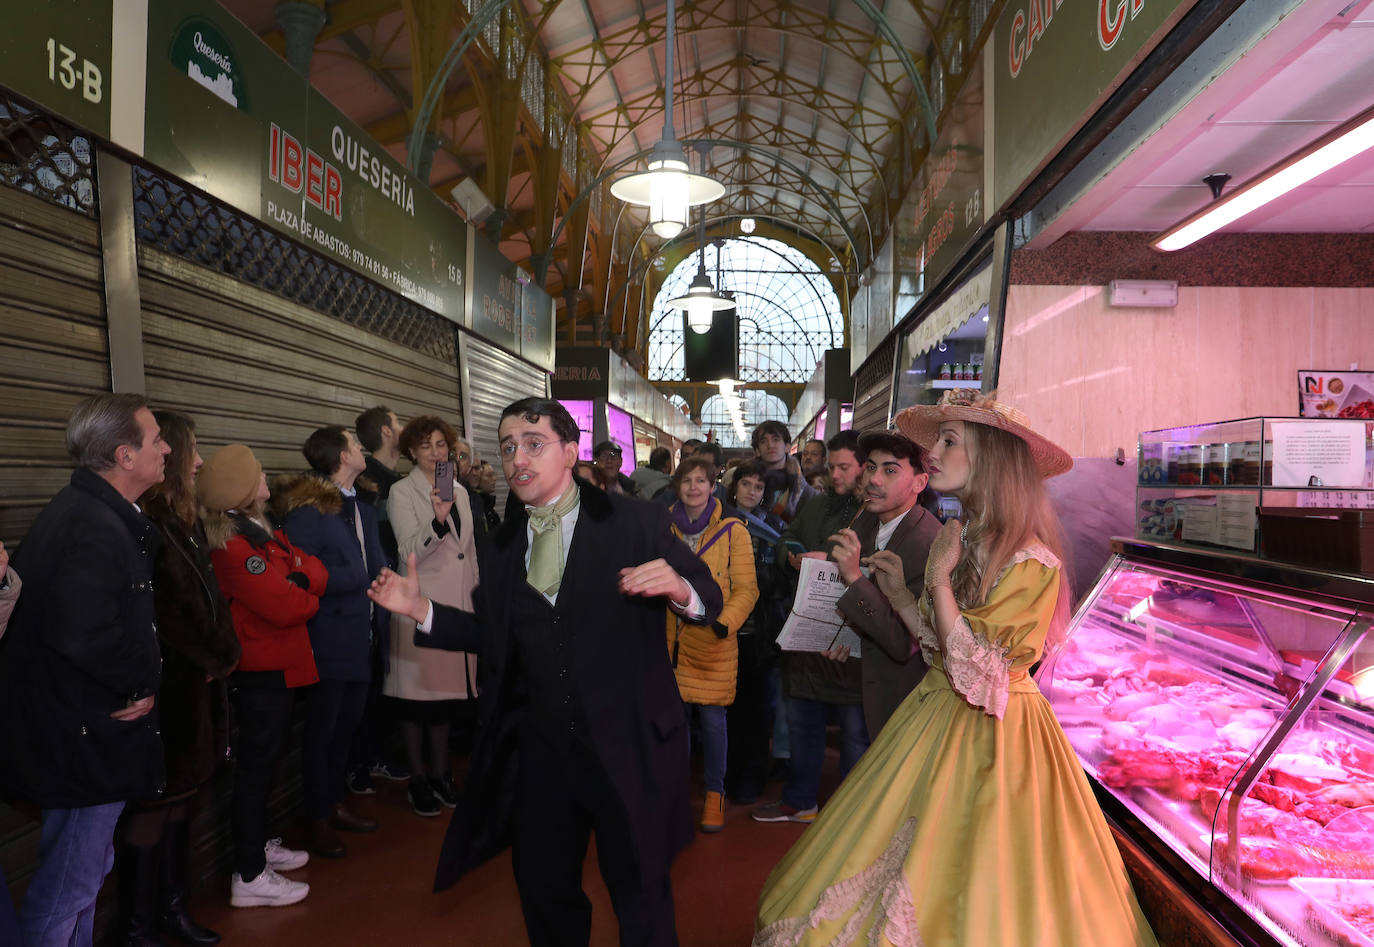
162,601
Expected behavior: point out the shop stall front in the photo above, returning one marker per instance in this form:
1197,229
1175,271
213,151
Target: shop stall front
1215,683
613,402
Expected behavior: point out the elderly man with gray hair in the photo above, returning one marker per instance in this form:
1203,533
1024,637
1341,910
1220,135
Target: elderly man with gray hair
80,666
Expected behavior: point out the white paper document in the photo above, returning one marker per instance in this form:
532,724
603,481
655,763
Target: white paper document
1319,453
813,623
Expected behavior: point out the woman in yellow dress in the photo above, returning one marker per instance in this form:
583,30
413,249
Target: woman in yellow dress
969,821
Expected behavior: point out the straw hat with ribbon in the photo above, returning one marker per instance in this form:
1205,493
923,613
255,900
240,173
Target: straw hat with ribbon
922,423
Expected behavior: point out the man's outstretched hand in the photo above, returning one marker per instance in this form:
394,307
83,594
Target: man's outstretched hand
654,579
400,594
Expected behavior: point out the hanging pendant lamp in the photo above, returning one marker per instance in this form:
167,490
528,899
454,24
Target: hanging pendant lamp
667,186
701,300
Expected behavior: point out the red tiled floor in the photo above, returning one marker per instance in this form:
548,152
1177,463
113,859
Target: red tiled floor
380,893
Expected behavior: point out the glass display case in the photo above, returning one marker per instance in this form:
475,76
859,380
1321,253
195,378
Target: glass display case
1225,706
1208,483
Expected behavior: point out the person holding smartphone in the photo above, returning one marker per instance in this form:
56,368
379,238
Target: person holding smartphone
441,531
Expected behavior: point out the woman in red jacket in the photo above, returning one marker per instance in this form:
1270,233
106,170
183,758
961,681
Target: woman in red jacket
273,589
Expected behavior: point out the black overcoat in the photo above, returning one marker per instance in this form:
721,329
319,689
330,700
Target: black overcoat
635,717
81,643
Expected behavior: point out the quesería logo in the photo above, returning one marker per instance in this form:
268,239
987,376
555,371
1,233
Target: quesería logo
202,51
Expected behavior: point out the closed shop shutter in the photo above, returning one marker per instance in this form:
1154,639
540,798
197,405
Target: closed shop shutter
262,342
53,347
492,379
254,368
873,389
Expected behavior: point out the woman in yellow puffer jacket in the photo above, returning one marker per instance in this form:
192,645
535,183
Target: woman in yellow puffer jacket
705,658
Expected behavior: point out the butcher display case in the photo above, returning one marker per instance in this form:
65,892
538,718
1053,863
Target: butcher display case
1224,706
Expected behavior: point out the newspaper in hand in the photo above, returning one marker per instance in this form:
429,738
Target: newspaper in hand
814,623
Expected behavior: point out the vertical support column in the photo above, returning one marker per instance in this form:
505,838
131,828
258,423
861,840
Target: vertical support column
119,268
997,305
300,23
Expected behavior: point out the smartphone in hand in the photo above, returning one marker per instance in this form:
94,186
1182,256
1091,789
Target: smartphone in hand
443,479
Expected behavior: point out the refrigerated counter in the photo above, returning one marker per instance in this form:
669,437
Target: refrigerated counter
1224,707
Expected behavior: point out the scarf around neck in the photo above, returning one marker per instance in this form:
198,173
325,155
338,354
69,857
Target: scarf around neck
690,527
545,571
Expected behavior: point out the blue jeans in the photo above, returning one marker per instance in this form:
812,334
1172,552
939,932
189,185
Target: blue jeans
76,852
715,744
806,720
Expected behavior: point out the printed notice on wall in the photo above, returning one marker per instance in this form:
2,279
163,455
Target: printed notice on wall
1323,454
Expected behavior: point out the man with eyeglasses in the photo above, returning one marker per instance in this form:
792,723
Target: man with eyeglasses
580,726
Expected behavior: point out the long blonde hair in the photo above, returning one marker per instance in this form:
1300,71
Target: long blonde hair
1006,508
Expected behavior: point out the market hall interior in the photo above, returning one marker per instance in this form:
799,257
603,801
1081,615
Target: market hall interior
272,216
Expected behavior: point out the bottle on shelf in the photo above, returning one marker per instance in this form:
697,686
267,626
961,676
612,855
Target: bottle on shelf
945,373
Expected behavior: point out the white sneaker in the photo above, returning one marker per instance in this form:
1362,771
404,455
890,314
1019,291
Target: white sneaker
281,858
267,889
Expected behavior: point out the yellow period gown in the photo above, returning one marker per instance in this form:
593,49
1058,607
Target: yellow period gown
969,821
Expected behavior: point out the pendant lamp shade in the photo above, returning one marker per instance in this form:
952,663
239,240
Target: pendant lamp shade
701,301
667,186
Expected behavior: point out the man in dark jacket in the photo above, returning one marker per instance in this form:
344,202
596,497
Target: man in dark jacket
814,688
892,520
325,516
580,726
80,667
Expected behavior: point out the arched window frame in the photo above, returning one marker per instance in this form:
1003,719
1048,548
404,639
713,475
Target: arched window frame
788,313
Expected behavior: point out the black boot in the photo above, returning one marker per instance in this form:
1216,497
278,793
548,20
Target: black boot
174,920
138,890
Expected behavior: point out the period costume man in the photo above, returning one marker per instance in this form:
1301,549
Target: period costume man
580,726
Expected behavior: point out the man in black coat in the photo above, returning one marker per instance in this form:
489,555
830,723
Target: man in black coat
581,728
80,666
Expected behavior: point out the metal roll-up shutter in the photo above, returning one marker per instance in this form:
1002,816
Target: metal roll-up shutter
262,341
492,379
252,367
53,347
873,388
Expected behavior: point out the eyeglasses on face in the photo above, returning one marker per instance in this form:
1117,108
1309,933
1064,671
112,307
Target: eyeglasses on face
532,446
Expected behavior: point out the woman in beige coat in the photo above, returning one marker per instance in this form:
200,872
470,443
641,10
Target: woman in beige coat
425,681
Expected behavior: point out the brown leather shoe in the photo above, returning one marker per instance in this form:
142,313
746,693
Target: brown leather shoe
352,822
323,841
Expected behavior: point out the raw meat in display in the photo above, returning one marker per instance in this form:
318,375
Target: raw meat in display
1271,859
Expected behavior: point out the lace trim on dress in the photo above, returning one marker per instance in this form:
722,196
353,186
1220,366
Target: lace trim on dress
880,892
1037,551
978,670
926,637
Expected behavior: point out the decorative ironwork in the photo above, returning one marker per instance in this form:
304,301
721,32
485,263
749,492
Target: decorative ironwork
186,223
787,308
46,157
754,408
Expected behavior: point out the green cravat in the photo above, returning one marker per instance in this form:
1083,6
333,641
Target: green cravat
545,573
